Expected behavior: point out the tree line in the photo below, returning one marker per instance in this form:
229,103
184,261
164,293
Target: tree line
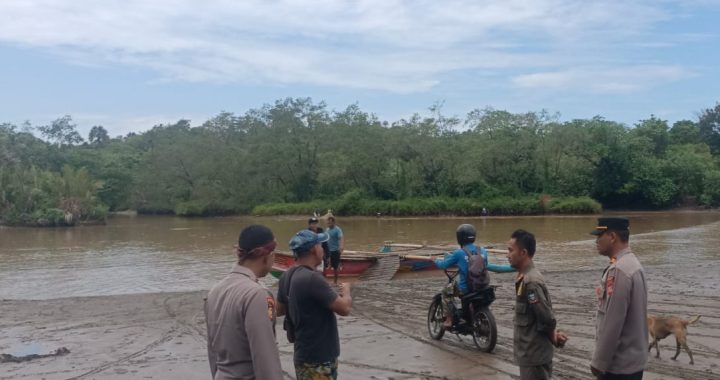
296,155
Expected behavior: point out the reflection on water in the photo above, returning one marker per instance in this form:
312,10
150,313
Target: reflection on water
153,254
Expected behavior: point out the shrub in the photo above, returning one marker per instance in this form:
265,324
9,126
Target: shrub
572,205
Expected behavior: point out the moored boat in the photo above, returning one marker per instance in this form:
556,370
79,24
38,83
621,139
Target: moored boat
352,263
419,257
415,257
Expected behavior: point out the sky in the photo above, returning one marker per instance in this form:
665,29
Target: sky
130,64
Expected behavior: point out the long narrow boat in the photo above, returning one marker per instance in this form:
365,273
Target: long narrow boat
352,263
415,257
419,257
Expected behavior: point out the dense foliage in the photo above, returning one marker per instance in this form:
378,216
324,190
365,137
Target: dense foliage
296,156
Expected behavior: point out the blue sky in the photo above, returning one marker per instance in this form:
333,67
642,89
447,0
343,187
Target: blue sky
130,64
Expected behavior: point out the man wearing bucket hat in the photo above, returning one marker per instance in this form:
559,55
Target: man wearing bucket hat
310,305
240,314
621,327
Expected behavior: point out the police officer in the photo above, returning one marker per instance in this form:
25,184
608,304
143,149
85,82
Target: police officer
535,333
240,314
621,328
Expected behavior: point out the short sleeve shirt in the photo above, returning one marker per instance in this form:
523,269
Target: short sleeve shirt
308,304
335,234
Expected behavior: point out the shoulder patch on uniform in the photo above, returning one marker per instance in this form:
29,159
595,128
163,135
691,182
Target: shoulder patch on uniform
532,297
271,308
610,285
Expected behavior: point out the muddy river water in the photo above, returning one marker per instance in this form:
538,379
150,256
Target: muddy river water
150,274
144,254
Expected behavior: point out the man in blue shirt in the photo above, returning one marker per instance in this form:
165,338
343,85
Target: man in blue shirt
466,239
336,244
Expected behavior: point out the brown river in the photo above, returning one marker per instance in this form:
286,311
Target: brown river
148,254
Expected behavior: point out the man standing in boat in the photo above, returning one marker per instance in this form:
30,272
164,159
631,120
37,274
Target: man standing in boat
310,305
465,235
336,244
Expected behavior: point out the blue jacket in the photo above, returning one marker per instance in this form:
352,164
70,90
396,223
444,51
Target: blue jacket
459,258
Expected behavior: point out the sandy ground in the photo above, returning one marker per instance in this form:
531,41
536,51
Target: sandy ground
161,336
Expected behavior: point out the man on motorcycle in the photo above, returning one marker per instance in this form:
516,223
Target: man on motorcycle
465,234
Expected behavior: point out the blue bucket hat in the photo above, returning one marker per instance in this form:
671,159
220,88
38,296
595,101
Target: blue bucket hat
306,239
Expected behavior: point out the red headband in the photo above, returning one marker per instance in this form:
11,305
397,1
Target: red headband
260,251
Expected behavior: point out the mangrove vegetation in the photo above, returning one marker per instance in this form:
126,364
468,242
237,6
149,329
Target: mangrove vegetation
296,156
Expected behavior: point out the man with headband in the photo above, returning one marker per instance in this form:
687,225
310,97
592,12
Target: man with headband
240,314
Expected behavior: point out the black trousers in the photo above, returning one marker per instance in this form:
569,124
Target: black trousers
612,376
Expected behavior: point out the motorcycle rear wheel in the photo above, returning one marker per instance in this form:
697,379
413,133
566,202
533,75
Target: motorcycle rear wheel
484,330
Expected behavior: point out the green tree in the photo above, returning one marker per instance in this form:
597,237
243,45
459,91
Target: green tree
709,125
656,132
98,135
684,132
61,131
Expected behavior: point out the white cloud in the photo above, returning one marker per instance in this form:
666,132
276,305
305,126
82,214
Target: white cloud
393,45
603,80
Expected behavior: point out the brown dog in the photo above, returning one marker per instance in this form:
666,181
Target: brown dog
661,327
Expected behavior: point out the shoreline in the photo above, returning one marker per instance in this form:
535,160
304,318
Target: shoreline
162,335
134,213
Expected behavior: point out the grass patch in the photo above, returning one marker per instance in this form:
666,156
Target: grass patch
352,204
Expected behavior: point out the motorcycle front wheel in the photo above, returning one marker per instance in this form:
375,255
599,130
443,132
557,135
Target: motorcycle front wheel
435,320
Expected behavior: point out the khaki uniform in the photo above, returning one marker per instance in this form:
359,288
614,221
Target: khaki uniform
240,316
621,341
534,320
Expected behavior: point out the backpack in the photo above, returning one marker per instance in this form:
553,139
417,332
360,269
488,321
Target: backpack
477,278
288,324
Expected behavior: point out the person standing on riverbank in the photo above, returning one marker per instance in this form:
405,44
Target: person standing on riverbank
534,324
313,225
240,314
621,341
336,245
310,304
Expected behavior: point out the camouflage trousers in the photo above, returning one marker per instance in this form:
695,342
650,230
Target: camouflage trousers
316,371
449,292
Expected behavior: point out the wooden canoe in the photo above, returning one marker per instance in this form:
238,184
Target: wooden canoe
352,263
416,257
419,257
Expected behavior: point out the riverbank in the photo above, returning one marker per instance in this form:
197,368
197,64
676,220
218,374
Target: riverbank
524,205
162,335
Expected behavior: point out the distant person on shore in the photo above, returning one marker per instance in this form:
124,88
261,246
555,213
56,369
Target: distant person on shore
621,341
465,235
534,322
310,305
336,245
240,314
313,225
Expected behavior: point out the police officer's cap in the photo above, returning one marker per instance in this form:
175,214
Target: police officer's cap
614,223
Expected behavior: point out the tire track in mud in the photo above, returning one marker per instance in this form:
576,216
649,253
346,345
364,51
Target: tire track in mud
178,326
165,337
380,302
458,346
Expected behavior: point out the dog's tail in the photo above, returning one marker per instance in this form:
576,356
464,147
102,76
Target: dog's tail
692,320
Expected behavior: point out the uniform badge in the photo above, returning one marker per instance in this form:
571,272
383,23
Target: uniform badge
610,285
271,308
532,297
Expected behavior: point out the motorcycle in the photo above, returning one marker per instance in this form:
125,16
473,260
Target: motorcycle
472,318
